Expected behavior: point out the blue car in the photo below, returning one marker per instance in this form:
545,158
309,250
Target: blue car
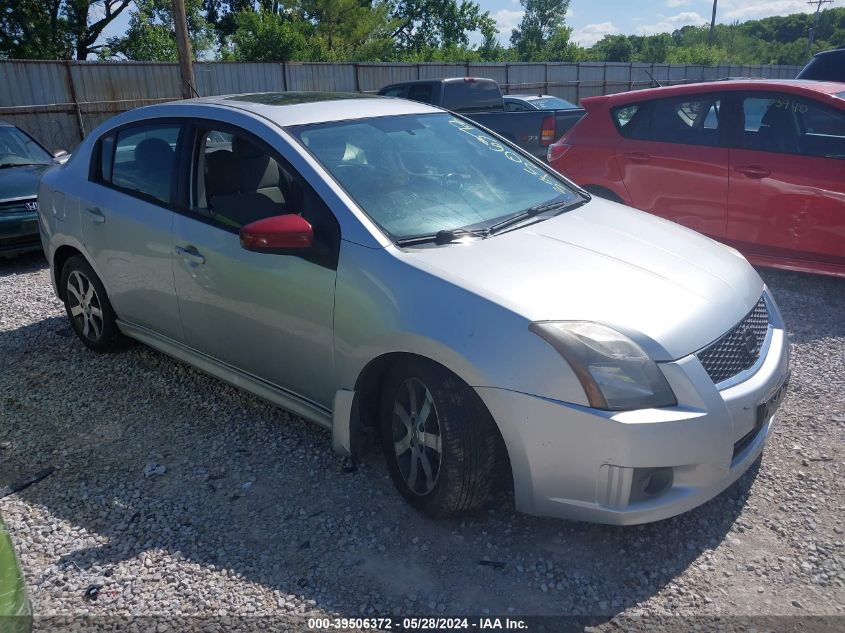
22,162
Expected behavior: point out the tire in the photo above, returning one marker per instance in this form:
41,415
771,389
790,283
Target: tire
88,308
458,478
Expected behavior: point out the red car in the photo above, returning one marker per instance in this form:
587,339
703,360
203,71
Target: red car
757,164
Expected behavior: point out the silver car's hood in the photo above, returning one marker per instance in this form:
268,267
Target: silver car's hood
671,289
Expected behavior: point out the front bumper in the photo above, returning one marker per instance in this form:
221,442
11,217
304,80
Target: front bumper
19,233
575,462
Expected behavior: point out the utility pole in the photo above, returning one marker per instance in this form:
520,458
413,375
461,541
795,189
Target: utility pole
812,34
712,24
183,45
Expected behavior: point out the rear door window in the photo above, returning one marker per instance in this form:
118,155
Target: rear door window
688,120
684,120
141,160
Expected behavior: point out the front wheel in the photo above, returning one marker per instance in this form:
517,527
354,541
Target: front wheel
439,439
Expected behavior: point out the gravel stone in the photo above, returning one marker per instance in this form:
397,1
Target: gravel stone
199,541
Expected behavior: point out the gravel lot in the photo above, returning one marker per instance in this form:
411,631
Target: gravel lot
254,514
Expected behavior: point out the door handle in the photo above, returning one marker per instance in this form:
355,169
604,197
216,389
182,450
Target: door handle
754,171
189,254
96,214
637,157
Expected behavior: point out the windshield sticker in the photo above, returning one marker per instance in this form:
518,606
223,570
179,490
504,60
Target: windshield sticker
494,146
789,104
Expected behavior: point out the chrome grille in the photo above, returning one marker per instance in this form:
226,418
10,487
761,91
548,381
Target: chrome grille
739,349
15,206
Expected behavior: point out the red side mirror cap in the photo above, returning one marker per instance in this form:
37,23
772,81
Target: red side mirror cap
277,234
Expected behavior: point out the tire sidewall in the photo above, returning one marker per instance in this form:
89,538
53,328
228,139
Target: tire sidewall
449,402
111,337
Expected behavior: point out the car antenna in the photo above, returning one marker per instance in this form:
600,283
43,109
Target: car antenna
659,85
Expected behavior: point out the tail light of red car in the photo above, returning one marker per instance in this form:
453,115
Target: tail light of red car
556,151
547,132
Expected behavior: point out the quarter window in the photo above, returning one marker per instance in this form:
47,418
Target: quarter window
140,160
624,115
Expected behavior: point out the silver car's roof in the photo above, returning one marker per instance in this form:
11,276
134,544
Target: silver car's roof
301,108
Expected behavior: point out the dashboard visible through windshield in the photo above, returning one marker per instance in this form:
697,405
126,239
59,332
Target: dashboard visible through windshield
421,174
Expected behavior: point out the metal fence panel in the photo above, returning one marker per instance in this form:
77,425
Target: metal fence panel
373,77
54,130
526,77
61,101
222,78
437,71
617,77
33,83
563,81
321,77
495,71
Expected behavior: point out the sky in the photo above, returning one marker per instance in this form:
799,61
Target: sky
593,19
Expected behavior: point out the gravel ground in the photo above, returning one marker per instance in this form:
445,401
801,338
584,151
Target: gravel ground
254,514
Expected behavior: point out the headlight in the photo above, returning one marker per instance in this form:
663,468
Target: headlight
615,372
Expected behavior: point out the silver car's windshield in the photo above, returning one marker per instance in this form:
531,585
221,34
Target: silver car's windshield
421,174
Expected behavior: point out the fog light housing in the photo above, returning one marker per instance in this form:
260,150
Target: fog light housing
648,483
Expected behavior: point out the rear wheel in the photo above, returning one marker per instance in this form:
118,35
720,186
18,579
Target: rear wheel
439,439
88,307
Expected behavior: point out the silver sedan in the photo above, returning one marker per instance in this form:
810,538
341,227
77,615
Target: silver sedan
406,278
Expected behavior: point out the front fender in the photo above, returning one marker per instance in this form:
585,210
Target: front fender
385,305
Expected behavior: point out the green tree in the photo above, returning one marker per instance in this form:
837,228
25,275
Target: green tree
560,48
697,54
540,21
491,50
437,23
346,27
269,37
55,29
614,48
151,35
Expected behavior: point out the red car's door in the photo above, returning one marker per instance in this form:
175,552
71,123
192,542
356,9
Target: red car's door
787,182
672,161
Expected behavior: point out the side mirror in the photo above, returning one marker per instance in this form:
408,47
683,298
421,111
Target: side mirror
60,155
278,234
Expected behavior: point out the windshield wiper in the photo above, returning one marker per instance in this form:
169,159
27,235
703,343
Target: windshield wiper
530,212
445,236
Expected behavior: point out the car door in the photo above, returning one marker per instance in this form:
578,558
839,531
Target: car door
268,315
787,179
672,162
127,222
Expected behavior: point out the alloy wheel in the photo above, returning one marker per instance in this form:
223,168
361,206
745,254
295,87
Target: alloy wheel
84,305
417,436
